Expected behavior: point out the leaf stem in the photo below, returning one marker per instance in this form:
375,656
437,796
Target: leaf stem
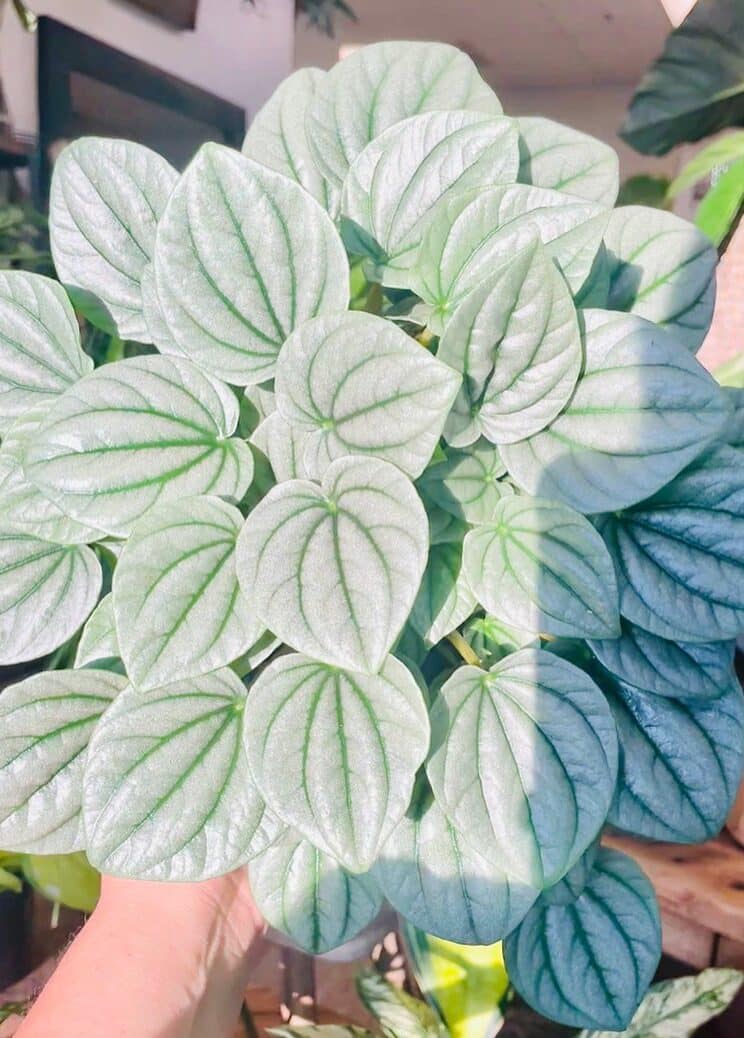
466,651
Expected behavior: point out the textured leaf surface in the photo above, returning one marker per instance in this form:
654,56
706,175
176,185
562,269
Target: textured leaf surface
588,964
397,1012
468,484
444,600
358,385
45,724
543,567
382,84
680,670
516,340
662,268
333,570
179,609
135,433
681,763
284,446
524,755
475,231
561,158
98,640
442,885
106,199
306,895
400,176
244,255
679,557
22,504
167,790
335,753
677,1008
642,410
277,137
46,592
40,353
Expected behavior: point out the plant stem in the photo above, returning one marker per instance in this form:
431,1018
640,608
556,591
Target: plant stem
465,650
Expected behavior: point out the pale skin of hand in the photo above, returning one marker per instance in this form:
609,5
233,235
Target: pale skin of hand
155,960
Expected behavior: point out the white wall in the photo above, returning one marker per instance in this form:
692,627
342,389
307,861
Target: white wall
238,51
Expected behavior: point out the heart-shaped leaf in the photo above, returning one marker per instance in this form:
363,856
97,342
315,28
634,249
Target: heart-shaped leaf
400,176
40,353
106,199
333,570
444,600
543,567
380,85
475,231
679,557
46,592
135,433
524,755
179,610
167,790
22,504
685,1003
359,385
468,484
45,724
642,410
559,157
98,639
415,871
662,268
306,895
335,753
681,762
243,256
277,138
589,963
516,340
680,670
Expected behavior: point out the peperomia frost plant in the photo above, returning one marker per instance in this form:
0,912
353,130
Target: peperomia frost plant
405,551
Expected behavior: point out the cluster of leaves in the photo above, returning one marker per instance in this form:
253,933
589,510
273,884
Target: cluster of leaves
405,601
671,1009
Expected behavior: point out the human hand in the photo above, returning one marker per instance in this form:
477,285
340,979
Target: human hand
155,960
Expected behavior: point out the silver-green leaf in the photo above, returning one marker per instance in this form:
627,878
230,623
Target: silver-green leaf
98,639
134,433
468,484
333,569
167,790
540,566
416,869
106,199
515,338
178,606
357,384
400,176
662,268
380,85
243,256
46,722
445,599
46,592
306,895
524,755
335,753
474,231
642,410
588,963
561,158
679,556
40,352
681,763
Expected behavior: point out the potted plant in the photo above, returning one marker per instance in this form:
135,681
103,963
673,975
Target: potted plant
403,602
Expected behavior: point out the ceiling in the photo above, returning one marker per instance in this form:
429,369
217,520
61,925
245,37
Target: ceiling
516,43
